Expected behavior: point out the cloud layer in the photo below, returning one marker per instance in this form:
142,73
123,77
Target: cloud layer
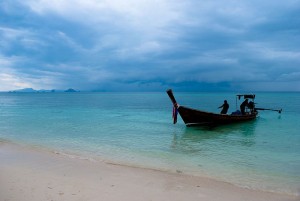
149,45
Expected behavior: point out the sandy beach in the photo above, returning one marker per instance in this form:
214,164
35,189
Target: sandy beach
31,174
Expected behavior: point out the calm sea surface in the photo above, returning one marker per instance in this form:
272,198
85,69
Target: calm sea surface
137,129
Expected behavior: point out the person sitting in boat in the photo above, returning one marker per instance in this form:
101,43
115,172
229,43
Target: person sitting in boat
224,107
243,106
251,106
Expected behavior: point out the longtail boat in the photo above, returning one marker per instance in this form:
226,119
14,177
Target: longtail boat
195,117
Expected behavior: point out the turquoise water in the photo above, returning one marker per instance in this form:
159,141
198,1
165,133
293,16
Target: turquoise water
137,129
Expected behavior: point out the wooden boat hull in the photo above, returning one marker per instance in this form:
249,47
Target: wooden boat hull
193,117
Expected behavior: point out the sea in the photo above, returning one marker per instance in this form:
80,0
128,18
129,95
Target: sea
136,129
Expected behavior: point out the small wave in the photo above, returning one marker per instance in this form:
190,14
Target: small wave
75,156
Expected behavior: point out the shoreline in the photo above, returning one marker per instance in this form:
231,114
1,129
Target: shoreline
36,174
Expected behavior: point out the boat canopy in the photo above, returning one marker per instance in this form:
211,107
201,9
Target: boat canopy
251,96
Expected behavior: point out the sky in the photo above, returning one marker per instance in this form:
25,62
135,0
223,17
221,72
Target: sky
150,45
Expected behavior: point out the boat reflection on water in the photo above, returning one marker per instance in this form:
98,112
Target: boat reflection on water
197,139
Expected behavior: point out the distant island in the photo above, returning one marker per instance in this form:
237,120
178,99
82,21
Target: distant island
31,90
71,90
